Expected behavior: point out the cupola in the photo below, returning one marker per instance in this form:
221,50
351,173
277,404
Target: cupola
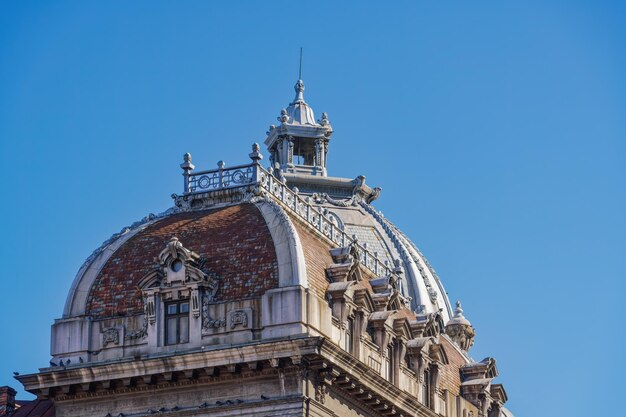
299,145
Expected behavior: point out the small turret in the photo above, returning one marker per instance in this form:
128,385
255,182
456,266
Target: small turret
299,145
460,329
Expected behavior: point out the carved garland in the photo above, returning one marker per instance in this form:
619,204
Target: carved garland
208,322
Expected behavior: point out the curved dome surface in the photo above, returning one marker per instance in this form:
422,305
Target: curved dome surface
234,244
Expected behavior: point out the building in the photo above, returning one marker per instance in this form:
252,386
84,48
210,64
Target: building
276,291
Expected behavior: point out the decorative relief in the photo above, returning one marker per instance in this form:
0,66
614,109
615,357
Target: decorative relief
320,391
238,318
209,323
141,333
325,198
150,309
110,335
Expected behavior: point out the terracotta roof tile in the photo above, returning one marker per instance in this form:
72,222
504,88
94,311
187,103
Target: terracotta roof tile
235,241
36,408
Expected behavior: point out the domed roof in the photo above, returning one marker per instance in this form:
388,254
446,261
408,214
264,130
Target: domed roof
234,245
250,248
249,260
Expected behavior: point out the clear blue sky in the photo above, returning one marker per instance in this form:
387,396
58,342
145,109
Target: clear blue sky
497,131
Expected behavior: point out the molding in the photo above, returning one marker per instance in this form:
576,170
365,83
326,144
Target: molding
287,244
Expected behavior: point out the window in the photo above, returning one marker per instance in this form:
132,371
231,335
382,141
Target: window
372,333
177,322
426,389
349,338
390,363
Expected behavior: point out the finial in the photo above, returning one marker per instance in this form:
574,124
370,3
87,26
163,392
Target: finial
458,315
284,117
256,153
324,120
187,165
221,164
187,162
458,311
299,87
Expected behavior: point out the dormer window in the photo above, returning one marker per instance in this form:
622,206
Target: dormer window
172,293
177,322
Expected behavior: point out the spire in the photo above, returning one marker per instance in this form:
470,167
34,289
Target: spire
299,87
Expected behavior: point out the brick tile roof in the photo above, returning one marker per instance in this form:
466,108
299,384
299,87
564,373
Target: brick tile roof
36,408
235,241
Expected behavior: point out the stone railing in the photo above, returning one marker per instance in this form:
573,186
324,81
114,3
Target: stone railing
299,205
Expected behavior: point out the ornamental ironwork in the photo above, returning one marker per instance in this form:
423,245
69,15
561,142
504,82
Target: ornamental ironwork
221,178
266,183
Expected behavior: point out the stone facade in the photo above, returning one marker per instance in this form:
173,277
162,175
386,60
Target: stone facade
265,292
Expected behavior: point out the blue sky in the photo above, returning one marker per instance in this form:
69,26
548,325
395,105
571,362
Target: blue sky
496,130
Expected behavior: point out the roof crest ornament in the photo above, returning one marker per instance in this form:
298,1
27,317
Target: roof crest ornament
299,87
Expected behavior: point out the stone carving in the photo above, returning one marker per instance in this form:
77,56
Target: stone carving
178,266
284,117
209,323
110,335
139,333
325,198
460,330
238,318
320,391
324,120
